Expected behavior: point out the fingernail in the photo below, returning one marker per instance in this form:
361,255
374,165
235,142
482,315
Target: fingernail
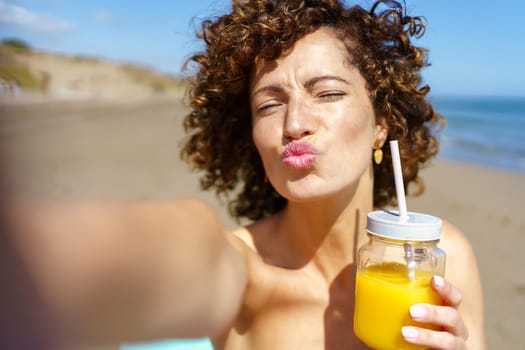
439,281
418,311
409,333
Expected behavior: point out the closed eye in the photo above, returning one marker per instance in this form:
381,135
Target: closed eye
266,108
331,96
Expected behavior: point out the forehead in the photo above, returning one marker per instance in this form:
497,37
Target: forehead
315,53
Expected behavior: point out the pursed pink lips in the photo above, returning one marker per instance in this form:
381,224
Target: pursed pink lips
299,155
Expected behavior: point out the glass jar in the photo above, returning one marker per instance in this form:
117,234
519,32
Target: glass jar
394,271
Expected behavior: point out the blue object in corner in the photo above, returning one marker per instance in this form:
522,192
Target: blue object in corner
194,344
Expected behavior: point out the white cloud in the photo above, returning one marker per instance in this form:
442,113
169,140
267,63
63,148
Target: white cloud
103,16
17,16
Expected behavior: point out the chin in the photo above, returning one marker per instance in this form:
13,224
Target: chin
305,194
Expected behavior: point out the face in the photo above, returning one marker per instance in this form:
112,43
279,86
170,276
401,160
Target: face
313,122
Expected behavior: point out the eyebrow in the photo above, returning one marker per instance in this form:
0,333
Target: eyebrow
271,88
309,84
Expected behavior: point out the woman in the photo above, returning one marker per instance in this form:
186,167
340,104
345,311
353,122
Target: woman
291,99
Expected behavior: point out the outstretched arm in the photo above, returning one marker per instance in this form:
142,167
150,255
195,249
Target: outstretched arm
129,271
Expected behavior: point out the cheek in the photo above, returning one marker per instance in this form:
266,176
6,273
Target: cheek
257,133
356,138
261,135
355,131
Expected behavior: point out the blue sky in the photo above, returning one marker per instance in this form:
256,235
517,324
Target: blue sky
476,46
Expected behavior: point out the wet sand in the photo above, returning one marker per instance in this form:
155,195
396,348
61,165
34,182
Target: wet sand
131,151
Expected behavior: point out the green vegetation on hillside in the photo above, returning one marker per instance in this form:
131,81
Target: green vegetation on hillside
17,45
13,70
157,82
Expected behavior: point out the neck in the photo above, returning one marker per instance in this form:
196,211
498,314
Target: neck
326,234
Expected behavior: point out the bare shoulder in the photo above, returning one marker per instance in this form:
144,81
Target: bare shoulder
461,267
462,271
241,238
453,238
260,274
459,250
244,237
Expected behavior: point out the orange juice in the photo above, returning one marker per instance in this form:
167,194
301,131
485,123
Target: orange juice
384,295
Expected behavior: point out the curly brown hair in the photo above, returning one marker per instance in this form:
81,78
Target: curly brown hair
378,43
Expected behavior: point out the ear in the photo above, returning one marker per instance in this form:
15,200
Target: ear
381,132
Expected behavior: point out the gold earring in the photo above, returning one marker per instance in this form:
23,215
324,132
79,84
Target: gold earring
378,152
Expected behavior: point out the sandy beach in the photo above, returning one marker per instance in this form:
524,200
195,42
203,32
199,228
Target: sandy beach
488,206
105,150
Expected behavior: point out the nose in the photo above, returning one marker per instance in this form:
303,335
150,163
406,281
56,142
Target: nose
300,120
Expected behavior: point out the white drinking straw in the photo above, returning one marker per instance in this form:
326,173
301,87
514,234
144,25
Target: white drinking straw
402,205
398,177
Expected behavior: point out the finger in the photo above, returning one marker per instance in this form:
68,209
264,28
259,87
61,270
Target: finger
450,294
444,316
432,339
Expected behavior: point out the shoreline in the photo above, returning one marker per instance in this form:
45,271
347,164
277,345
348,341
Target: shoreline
34,99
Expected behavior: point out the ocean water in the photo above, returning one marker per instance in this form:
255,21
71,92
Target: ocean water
488,131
